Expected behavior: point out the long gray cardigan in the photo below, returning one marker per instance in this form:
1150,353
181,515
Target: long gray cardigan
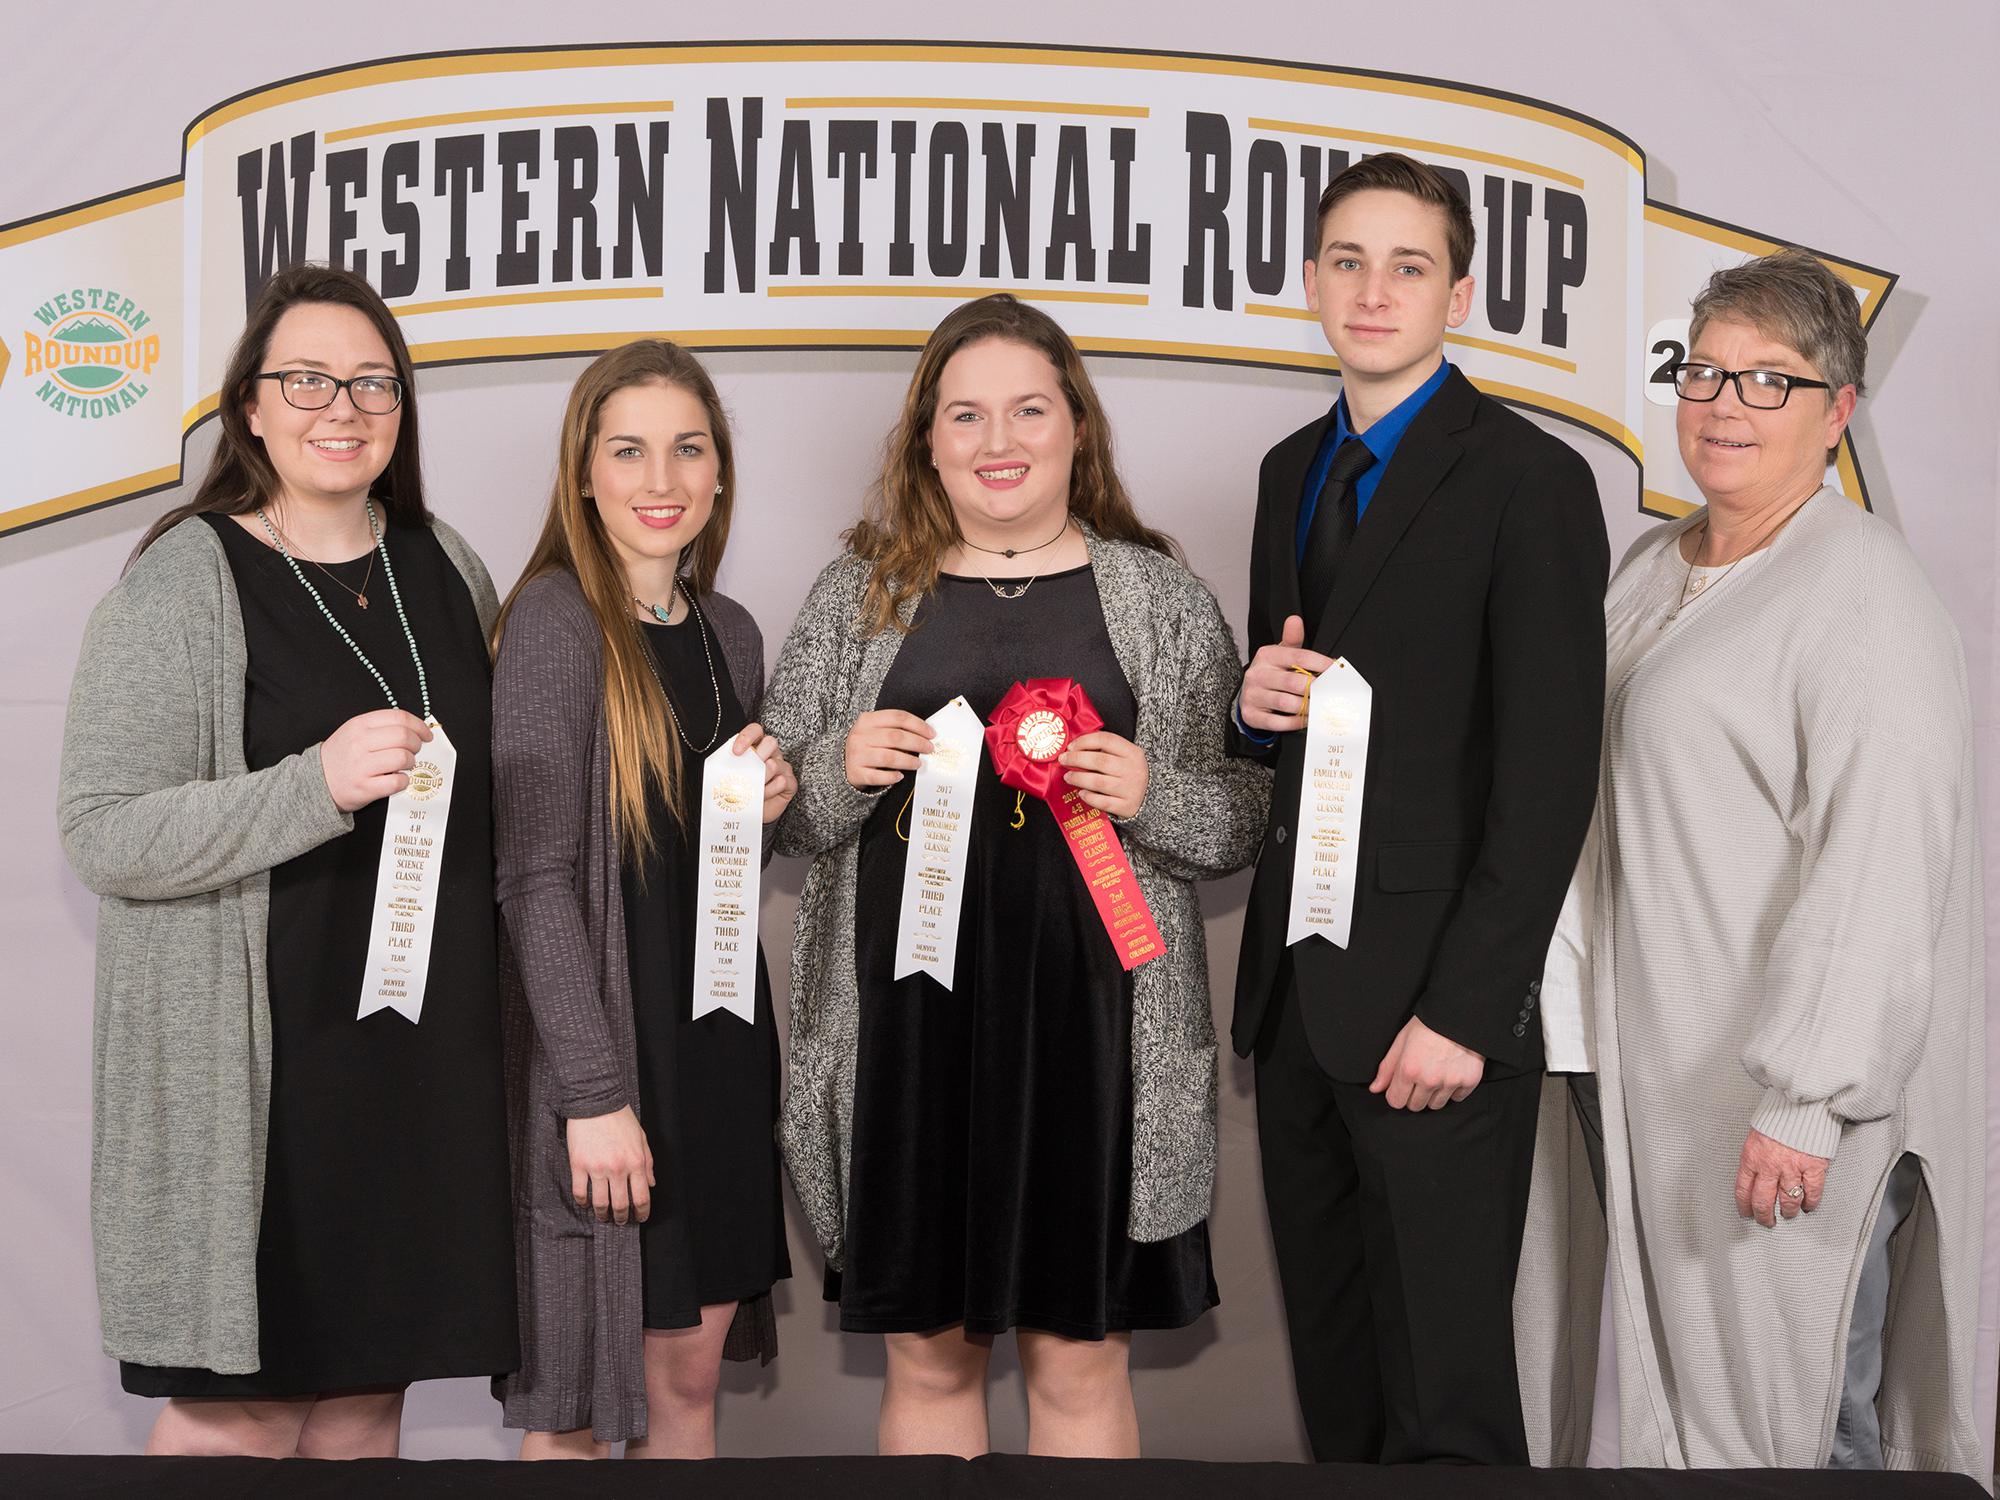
1789,937
566,1003
162,818
1203,816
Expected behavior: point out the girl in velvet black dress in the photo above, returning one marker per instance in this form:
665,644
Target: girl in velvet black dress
1030,1150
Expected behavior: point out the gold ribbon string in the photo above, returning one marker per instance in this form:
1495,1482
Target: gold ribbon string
1020,812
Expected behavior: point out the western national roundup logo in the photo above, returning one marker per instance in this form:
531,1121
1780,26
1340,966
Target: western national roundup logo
554,202
93,356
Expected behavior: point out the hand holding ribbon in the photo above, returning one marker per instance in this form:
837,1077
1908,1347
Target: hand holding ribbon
1108,772
1026,736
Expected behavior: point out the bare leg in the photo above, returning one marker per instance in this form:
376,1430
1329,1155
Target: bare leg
219,1427
1079,1395
683,1367
934,1399
354,1424
574,1444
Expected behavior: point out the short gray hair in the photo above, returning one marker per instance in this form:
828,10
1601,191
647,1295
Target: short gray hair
1792,297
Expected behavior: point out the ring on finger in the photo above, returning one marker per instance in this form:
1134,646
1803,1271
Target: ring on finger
1795,1192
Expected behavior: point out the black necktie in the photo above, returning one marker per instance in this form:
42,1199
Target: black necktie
1332,528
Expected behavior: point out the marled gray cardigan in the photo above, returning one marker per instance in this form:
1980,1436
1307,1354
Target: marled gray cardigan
566,1003
1203,816
162,818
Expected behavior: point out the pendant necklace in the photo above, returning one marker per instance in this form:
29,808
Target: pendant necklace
665,617
360,594
1692,590
1000,592
396,597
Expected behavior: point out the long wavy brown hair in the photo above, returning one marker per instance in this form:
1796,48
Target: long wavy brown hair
907,526
240,477
643,746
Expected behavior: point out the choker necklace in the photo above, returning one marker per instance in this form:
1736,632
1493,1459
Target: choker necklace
1014,551
663,615
714,686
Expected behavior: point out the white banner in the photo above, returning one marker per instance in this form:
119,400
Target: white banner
940,833
830,195
731,863
406,884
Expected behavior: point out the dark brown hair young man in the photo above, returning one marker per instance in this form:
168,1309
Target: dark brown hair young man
1454,556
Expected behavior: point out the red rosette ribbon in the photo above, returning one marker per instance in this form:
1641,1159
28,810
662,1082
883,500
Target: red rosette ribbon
1025,735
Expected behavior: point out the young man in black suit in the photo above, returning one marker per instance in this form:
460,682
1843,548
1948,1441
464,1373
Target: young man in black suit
1454,555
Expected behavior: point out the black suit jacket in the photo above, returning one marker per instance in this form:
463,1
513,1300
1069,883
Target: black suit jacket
1472,600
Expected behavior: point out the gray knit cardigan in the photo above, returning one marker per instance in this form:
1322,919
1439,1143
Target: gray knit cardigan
1203,816
566,1006
162,818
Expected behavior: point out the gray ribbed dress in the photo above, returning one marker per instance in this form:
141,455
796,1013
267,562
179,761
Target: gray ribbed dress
1788,937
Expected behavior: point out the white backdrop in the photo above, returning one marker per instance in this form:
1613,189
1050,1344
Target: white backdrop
1817,124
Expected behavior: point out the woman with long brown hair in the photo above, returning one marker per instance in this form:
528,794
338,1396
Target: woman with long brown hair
1032,1148
298,1201
648,1222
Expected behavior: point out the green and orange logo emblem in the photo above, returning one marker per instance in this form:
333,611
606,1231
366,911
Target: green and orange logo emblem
93,355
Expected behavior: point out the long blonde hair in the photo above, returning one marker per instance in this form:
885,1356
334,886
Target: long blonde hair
643,746
907,526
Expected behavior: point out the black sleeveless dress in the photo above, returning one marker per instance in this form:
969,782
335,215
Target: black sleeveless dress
991,1174
385,1249
708,1088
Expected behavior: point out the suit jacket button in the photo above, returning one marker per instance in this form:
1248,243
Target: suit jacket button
1534,986
1281,833
1531,1002
1520,1029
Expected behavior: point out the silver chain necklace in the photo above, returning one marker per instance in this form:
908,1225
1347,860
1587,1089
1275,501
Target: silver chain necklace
1692,592
395,595
714,686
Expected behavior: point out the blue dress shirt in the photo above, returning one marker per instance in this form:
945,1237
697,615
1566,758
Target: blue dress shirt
1380,440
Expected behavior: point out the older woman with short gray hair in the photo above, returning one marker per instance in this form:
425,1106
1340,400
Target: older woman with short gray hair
1776,931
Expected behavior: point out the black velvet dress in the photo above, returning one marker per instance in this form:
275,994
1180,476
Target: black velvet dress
708,1088
992,1161
385,1250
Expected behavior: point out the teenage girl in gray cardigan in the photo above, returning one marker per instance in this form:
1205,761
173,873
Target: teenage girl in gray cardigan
648,1222
1033,1148
295,1209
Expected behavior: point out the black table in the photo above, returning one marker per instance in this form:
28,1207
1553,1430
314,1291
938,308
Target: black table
998,1477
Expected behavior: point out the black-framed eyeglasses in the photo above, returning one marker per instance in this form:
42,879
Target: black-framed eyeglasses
312,390
1765,389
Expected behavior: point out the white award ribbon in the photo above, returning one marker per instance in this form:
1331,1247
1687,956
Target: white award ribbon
406,883
729,884
940,829
1327,834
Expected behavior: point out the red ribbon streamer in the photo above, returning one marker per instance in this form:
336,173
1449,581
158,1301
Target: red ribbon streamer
1032,726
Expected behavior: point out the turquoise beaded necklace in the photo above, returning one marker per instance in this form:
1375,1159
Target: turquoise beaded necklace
395,596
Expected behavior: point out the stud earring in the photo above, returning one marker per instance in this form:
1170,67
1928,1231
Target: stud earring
586,492
718,489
